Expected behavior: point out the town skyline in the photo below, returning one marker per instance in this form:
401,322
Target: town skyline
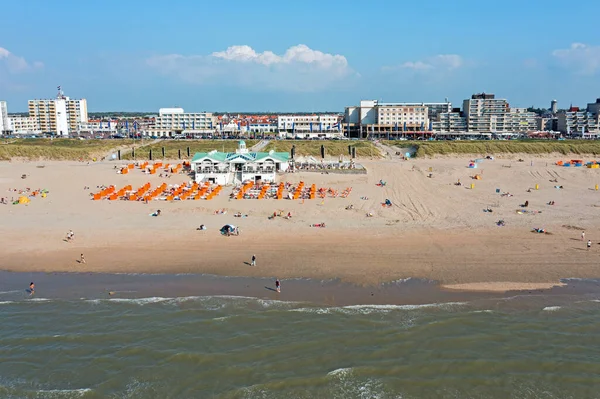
272,56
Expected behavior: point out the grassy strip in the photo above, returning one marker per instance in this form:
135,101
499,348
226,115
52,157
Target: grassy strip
172,148
490,147
57,149
332,148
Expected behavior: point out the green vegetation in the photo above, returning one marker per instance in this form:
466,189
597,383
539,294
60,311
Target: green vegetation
332,148
491,147
172,148
57,149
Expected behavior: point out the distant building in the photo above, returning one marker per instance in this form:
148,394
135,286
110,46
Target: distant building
24,125
95,126
487,114
4,121
554,107
60,116
452,122
174,121
580,123
547,124
373,118
226,168
308,126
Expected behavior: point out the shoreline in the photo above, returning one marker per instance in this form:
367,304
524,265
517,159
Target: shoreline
149,288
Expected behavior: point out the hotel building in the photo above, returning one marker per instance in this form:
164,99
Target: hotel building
24,125
174,121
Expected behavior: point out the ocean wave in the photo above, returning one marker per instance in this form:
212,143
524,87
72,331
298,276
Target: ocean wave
6,302
368,309
340,372
63,393
551,308
483,311
39,300
10,292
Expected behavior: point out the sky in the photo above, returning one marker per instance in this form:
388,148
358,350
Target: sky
285,56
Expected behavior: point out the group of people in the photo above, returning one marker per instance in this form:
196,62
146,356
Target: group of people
277,282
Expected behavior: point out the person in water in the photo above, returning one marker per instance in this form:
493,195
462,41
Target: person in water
31,288
277,285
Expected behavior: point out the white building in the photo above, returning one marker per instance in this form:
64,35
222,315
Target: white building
579,123
235,168
174,121
98,126
4,121
390,119
24,125
309,126
486,114
60,116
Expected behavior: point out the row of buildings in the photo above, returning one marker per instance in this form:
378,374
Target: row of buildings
482,115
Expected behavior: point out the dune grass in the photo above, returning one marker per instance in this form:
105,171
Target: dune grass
172,148
332,148
57,149
491,147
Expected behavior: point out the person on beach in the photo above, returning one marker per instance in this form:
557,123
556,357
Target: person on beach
253,263
31,288
82,259
277,285
582,235
589,244
70,235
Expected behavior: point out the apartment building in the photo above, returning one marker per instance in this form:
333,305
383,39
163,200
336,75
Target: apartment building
23,125
576,122
60,115
4,121
484,113
450,122
174,121
309,125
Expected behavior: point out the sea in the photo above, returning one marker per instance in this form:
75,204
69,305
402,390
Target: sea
193,336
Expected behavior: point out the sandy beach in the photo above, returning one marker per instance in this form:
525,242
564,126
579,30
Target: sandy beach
434,230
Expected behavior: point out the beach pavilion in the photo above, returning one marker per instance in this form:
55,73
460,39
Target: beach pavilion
226,168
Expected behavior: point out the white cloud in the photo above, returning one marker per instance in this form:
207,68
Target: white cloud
439,62
582,58
16,64
300,68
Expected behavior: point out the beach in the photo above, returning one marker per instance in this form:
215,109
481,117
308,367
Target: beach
434,230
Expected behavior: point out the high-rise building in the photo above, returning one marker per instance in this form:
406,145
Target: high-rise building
4,121
487,114
581,123
60,115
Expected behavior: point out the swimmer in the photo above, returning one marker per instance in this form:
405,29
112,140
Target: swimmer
31,288
277,285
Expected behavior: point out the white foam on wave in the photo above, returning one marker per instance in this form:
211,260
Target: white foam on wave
340,372
39,300
6,302
368,309
551,308
483,311
63,393
9,292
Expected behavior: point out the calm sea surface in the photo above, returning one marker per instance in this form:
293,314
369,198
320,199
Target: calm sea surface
525,346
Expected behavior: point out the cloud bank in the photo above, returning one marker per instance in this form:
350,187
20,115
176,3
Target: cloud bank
439,62
299,68
16,64
580,58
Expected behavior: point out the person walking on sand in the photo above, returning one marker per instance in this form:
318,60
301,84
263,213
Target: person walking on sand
589,244
253,263
277,285
582,235
82,259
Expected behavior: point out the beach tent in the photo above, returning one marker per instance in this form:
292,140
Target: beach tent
228,229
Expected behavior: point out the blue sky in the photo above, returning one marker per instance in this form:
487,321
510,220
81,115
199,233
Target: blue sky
308,55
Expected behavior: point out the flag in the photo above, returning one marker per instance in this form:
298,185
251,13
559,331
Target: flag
239,126
211,126
221,126
293,127
100,125
404,127
311,127
320,127
193,124
109,124
135,126
183,125
396,127
430,126
422,126
127,125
